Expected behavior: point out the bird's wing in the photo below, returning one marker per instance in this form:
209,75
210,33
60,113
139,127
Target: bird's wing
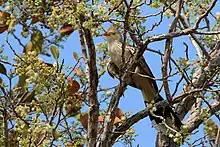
112,69
144,68
149,89
114,72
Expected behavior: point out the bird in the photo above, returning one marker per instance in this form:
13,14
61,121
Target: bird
163,118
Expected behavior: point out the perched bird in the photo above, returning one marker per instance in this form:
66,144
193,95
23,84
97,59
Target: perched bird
142,78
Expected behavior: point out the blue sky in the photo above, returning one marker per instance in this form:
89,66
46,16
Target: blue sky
132,100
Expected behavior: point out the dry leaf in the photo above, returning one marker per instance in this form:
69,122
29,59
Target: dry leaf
72,87
119,113
1,2
84,120
34,20
4,28
4,17
117,120
66,29
100,119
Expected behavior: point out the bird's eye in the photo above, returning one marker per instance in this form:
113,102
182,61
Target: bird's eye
113,33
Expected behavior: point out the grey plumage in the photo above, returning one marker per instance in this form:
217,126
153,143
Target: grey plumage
141,78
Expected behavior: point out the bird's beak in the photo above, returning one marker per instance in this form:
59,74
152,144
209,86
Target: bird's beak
106,34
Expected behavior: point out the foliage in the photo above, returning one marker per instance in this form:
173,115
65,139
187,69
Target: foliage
45,104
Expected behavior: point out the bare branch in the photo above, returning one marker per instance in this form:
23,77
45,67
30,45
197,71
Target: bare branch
167,53
205,14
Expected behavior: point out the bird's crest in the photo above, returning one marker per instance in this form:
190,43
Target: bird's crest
112,27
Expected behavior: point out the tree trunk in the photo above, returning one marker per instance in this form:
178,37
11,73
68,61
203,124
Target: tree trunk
164,141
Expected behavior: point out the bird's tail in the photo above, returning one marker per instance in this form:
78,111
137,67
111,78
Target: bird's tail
163,118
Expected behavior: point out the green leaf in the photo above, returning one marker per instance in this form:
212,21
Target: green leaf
22,81
37,39
55,52
3,69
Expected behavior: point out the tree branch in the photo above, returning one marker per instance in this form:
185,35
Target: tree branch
93,110
199,78
194,121
128,123
168,45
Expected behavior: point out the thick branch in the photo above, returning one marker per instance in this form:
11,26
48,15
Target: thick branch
194,121
199,78
168,46
93,111
128,123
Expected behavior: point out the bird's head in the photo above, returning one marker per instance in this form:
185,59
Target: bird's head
112,34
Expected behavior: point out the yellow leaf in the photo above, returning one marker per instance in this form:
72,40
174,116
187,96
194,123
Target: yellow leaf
77,71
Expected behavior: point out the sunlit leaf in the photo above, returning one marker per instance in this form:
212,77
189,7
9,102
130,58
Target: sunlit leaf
28,47
4,17
77,71
22,81
211,128
55,52
74,104
13,21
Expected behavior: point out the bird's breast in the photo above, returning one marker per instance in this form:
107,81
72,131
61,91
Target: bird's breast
115,52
